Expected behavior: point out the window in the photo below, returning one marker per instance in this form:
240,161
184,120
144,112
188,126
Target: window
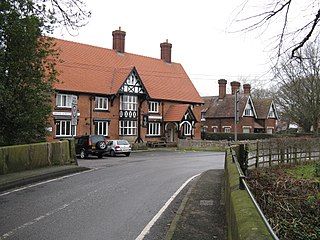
153,129
187,128
271,114
128,102
101,103
153,107
64,128
246,129
64,100
227,129
269,130
127,127
101,128
248,110
203,118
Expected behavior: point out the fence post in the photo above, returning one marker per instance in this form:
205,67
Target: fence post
282,152
257,155
270,155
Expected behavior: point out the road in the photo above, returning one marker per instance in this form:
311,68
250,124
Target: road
114,200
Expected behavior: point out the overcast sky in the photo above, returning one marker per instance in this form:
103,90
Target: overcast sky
198,31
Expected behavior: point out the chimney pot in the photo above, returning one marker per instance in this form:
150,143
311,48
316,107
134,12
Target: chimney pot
166,51
118,40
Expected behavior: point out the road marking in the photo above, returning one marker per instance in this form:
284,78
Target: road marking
41,183
48,214
146,230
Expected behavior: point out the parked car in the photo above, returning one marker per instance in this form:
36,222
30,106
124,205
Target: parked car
115,147
95,145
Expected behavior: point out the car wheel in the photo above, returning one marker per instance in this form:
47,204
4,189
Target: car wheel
127,154
112,153
101,145
83,154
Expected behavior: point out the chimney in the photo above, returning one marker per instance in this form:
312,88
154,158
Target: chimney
222,88
234,87
118,40
246,89
166,51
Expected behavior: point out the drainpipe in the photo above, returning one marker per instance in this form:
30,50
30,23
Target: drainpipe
90,126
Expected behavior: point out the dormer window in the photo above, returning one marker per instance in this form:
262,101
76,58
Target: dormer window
248,112
153,107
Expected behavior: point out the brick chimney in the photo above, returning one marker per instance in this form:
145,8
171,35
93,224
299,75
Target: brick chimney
247,89
222,88
234,87
166,51
118,40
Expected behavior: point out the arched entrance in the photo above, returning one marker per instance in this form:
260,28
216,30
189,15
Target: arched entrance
171,132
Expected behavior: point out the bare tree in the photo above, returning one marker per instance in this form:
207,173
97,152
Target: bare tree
294,22
70,14
299,87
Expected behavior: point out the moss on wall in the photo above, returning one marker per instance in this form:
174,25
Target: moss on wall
24,157
244,221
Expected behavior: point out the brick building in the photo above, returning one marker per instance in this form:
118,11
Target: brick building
123,95
255,115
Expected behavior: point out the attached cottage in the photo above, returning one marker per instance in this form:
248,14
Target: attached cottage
122,95
255,115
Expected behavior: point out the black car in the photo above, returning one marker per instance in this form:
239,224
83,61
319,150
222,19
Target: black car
95,145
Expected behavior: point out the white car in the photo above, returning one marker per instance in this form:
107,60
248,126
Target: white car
115,147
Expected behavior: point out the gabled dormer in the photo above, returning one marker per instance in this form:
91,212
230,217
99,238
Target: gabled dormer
272,114
249,110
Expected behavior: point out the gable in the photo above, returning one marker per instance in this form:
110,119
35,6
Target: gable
272,112
249,110
133,84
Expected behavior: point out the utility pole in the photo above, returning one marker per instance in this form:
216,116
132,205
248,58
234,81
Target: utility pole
236,114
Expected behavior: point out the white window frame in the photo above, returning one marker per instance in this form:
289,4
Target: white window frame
268,130
227,129
64,128
248,112
248,128
153,107
154,129
128,102
271,114
101,103
127,128
187,129
64,100
101,128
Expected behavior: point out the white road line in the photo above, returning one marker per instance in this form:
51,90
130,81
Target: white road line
146,230
41,183
23,226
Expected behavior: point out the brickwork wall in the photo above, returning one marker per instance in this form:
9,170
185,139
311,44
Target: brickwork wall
87,117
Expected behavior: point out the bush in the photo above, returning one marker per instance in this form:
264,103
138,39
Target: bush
240,136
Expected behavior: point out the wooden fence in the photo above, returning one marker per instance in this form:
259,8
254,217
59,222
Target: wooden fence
278,151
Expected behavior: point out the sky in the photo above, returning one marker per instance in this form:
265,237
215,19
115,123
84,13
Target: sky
199,31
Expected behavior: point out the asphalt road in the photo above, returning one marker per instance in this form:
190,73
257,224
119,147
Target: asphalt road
115,200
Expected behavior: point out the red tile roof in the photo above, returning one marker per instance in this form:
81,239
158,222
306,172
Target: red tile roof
98,70
223,108
175,113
